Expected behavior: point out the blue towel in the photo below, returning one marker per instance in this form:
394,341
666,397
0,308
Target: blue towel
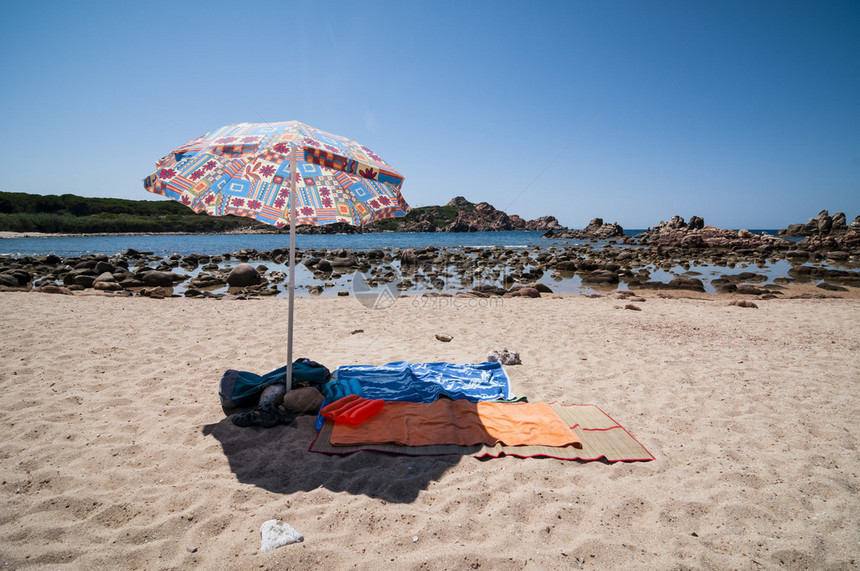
420,382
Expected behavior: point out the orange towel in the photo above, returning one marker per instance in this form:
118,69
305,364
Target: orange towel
459,422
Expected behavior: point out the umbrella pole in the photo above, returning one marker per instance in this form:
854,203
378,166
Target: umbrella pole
292,282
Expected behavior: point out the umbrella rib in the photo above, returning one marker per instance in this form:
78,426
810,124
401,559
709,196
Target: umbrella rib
558,156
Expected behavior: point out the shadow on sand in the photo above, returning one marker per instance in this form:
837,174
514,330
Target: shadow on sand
277,459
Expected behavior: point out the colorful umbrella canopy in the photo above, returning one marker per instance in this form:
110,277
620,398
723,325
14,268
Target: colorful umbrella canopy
244,169
253,170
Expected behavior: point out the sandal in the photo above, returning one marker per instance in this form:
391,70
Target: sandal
266,416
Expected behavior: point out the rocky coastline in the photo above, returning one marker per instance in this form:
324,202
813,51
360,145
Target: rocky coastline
669,249
828,256
596,230
460,215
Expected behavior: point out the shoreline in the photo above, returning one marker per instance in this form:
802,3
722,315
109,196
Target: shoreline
788,292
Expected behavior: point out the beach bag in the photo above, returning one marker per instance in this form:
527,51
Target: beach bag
307,373
241,389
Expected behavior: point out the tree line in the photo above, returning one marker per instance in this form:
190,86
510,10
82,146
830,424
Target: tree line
72,214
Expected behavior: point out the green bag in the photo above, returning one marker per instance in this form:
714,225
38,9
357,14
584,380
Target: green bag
241,389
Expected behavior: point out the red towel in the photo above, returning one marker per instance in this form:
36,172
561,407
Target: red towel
459,422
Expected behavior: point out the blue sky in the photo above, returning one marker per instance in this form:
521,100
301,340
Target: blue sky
744,113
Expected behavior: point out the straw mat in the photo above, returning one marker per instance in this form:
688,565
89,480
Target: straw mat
600,435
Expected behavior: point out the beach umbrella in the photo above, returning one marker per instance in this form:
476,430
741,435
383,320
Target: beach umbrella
282,174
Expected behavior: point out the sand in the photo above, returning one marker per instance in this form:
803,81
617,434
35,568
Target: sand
117,454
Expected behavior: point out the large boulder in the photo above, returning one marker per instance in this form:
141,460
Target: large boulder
343,262
106,282
85,280
156,278
696,235
459,202
243,275
596,230
15,278
822,225
408,258
600,277
682,282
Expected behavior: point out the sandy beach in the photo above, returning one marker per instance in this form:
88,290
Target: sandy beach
116,452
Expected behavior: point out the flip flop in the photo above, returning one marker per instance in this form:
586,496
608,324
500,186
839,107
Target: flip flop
265,416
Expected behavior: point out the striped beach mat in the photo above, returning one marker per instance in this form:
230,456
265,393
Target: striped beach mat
600,435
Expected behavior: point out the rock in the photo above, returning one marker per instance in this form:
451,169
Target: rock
131,282
304,400
105,277
85,280
542,224
204,280
50,288
481,217
155,278
408,258
595,230
831,287
745,289
243,275
157,292
15,278
489,289
444,338
693,284
543,288
600,277
344,262
678,234
824,232
275,533
524,292
839,223
107,286
633,307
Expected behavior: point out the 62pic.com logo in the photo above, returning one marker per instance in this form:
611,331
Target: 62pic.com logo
374,297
